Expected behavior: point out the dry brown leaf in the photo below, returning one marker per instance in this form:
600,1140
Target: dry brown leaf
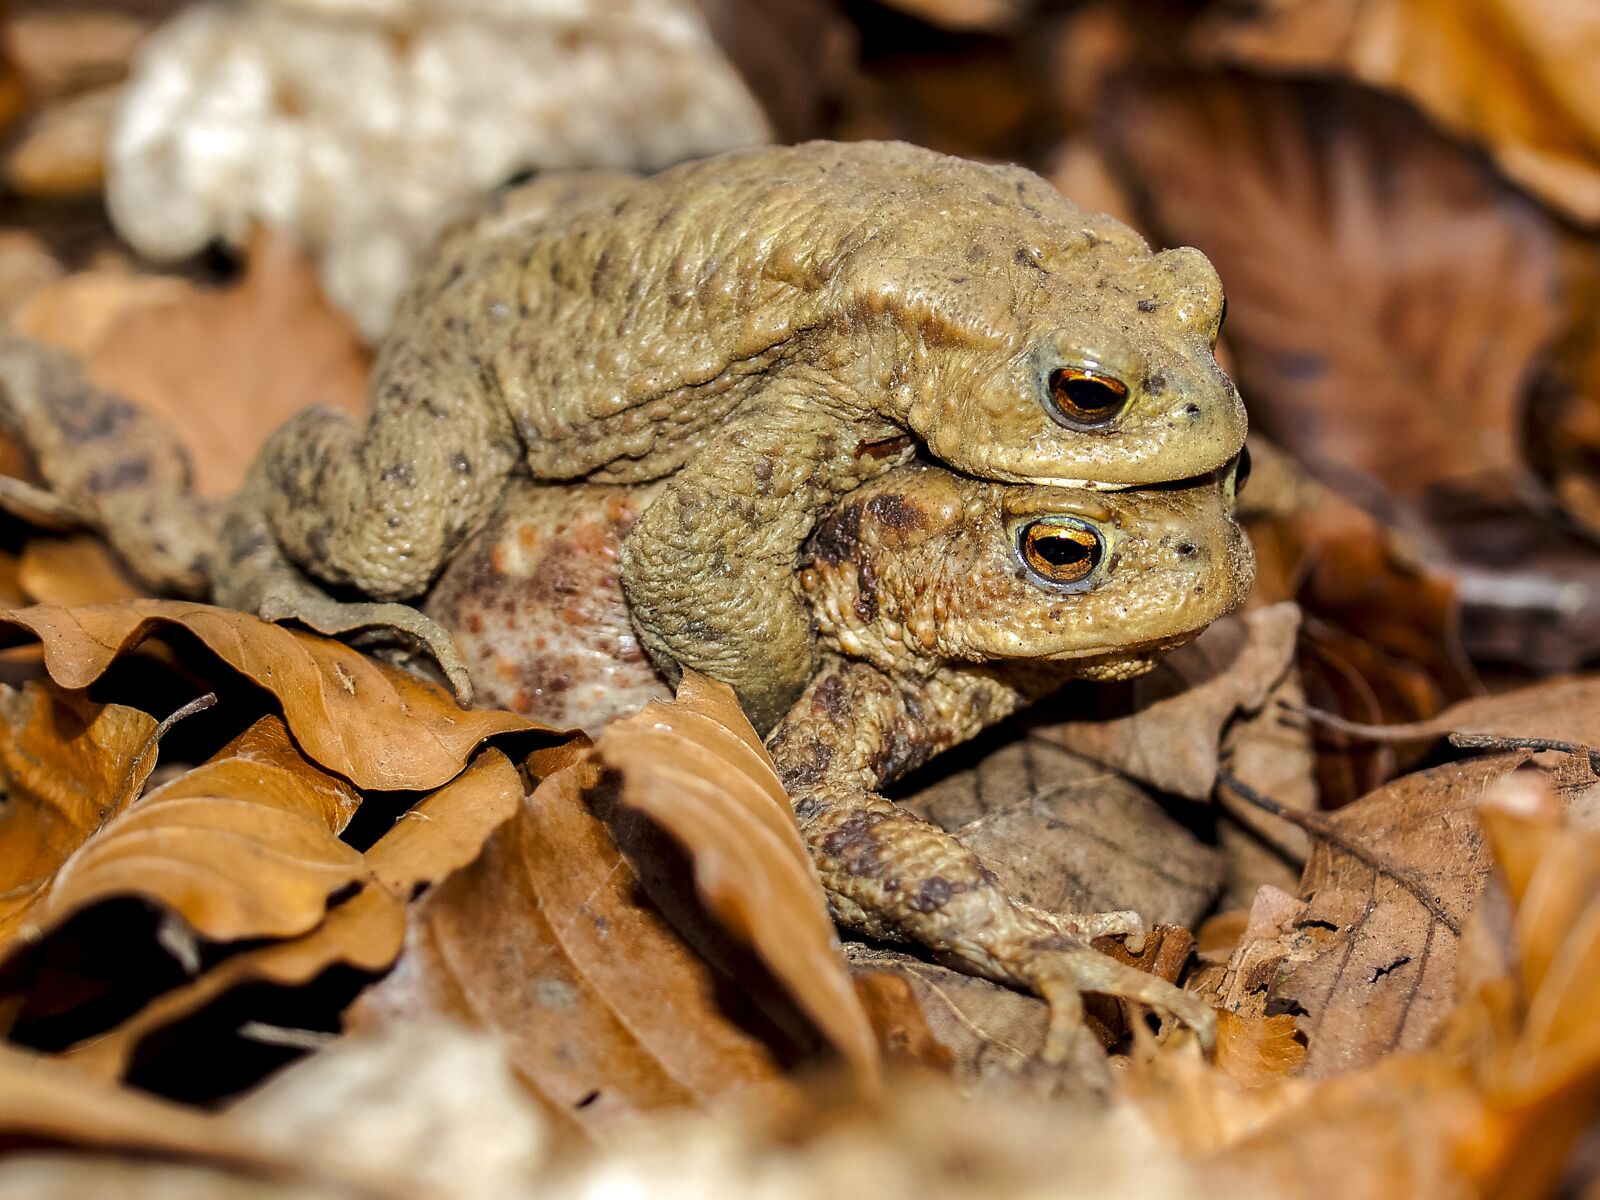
78,311
1386,296
227,367
65,53
245,845
376,725
62,153
696,768
441,833
1257,1050
26,266
967,14
1065,834
1368,956
547,941
70,767
1165,728
1565,710
73,571
1520,77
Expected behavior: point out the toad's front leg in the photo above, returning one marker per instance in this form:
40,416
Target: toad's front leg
709,569
890,874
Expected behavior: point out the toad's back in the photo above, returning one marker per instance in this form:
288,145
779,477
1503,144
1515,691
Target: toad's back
589,309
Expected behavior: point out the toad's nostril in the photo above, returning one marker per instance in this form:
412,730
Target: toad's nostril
1191,410
1187,549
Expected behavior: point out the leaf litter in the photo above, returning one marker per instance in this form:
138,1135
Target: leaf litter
1359,814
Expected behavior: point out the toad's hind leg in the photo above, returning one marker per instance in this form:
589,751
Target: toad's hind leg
709,569
377,508
256,577
380,507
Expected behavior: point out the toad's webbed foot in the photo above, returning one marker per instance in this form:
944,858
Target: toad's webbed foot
1060,969
256,577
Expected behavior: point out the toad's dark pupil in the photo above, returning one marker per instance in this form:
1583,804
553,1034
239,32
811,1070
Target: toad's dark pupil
1241,470
1060,553
1086,396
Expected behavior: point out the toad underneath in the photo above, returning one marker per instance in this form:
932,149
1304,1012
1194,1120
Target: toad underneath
944,604
763,330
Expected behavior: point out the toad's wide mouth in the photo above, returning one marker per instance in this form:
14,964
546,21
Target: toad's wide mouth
1125,661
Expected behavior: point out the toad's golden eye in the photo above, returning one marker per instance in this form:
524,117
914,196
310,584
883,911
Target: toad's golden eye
1084,398
1060,551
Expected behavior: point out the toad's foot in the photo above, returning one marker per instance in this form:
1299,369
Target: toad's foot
1060,969
256,577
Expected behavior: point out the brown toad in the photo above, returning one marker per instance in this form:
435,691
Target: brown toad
944,604
762,327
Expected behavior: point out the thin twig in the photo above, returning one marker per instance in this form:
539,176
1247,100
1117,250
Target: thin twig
1411,732
1325,830
1495,742
197,705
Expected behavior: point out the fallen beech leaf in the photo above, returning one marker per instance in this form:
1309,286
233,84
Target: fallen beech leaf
377,726
78,311
797,56
360,130
441,833
26,266
70,766
62,153
1522,78
967,14
696,768
68,53
1271,751
1369,958
1257,1050
1064,834
245,845
73,571
227,367
1168,725
546,940
1541,1084
41,1100
1386,296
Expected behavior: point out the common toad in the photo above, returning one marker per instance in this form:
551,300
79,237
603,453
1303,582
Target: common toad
762,327
944,604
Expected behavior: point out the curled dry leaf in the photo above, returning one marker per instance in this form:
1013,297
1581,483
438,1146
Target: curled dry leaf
696,768
1367,956
1521,78
441,833
223,368
62,154
377,726
547,941
70,766
1165,729
245,845
359,130
1386,296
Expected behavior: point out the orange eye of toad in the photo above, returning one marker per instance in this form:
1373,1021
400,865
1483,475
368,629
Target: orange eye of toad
1085,398
1059,552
